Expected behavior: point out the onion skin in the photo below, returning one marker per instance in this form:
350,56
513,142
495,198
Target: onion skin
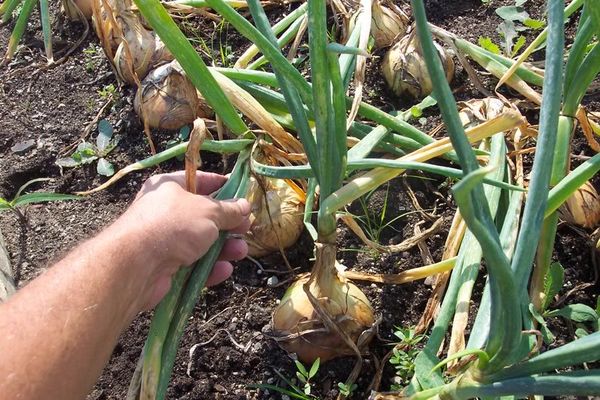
478,111
298,328
138,50
168,99
84,5
405,71
147,51
286,221
387,24
582,207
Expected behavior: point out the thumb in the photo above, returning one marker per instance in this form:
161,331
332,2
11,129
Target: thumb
232,213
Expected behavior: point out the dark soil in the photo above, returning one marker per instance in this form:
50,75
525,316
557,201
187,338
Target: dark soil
226,346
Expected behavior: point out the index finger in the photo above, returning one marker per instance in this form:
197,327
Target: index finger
206,182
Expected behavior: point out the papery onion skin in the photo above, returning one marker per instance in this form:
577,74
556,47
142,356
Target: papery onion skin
405,71
84,5
168,99
138,50
286,221
582,207
387,25
298,328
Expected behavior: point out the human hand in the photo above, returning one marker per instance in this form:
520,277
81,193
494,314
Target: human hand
174,228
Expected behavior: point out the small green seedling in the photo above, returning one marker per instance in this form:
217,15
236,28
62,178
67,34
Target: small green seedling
294,391
515,20
90,54
404,354
375,223
585,318
305,376
182,136
87,153
346,390
21,199
109,92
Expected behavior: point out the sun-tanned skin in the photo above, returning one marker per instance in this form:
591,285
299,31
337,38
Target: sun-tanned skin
58,332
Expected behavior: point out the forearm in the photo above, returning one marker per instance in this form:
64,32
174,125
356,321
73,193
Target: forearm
58,332
65,324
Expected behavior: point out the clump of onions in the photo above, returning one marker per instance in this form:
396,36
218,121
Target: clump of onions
276,218
137,50
299,328
582,207
387,23
70,8
168,99
405,70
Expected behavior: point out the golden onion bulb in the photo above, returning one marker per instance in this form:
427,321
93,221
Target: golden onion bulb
137,50
299,329
141,48
85,6
387,24
277,216
582,207
168,99
405,71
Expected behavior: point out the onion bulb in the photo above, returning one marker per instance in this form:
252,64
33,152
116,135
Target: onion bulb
277,216
168,99
405,70
138,50
299,329
387,24
146,50
85,6
582,207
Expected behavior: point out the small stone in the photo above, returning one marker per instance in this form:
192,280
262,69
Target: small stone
270,380
256,347
22,147
220,388
248,316
285,397
238,287
272,281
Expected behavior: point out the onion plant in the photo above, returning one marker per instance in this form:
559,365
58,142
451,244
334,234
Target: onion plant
21,11
500,342
322,309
